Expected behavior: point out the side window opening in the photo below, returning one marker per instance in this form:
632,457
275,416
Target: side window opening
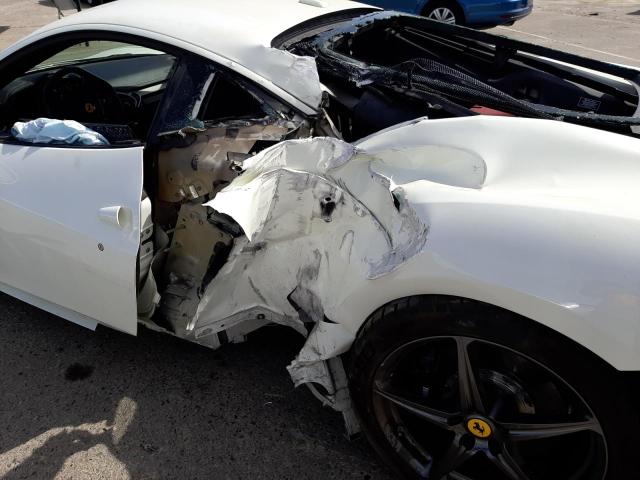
228,100
210,119
111,87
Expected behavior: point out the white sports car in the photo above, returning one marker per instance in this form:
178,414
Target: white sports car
451,218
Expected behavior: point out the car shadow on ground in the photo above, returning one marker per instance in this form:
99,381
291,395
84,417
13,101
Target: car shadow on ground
76,403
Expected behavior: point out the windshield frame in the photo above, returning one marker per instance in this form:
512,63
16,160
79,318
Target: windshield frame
318,25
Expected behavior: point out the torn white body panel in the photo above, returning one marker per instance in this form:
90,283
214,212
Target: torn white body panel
317,219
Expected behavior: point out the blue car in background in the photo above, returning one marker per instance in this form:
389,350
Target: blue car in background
472,13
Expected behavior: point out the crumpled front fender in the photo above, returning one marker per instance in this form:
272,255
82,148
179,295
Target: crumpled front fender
534,216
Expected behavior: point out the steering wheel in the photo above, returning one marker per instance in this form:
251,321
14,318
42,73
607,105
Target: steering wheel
72,93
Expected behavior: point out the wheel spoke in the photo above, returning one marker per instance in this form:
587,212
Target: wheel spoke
470,400
453,458
443,15
519,432
507,464
432,415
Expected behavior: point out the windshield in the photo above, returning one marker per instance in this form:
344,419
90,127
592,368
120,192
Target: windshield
92,51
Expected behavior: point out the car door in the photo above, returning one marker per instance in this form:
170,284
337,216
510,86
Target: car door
70,230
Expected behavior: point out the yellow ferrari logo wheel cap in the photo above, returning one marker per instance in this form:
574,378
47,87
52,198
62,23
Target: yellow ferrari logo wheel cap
479,428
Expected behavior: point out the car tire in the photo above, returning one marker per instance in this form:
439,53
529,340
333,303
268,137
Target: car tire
534,375
447,11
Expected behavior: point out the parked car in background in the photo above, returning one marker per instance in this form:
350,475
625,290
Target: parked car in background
473,13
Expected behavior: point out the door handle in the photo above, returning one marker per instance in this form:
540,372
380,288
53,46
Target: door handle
116,215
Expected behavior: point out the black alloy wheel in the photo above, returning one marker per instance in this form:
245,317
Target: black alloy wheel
444,392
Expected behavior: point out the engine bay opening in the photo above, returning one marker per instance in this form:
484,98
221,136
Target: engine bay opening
386,67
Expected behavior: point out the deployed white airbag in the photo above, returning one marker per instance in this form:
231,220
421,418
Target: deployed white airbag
47,130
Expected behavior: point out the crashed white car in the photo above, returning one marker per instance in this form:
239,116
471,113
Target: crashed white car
451,218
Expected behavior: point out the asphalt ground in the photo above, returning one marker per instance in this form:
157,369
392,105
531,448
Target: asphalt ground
76,404
607,30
